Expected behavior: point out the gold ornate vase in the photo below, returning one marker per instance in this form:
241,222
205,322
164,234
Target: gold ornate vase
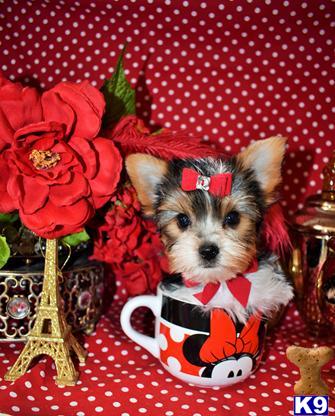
81,288
313,260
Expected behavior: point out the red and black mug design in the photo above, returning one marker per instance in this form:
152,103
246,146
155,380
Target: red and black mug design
199,347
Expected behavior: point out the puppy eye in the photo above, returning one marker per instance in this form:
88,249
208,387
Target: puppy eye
232,219
183,221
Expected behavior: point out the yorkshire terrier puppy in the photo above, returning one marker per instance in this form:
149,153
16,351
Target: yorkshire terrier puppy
210,213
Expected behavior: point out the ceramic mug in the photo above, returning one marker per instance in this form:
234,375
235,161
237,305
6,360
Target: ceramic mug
203,348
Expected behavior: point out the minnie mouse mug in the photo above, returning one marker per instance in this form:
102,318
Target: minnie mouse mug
203,348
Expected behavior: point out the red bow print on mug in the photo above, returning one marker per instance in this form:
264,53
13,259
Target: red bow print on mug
224,342
217,185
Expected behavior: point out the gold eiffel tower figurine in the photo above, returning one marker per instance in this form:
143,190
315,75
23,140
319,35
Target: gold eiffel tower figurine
51,335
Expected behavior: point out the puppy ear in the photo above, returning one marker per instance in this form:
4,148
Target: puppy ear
145,173
265,157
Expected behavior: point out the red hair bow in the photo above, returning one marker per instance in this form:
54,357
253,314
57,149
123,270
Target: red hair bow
217,185
224,342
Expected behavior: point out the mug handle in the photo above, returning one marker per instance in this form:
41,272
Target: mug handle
150,301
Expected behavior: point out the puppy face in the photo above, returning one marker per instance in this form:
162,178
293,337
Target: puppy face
209,238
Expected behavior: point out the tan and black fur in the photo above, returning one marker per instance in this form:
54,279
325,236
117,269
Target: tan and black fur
256,175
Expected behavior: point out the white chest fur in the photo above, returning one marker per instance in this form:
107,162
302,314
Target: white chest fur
269,291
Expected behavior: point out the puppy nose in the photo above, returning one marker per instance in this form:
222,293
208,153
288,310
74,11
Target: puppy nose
209,251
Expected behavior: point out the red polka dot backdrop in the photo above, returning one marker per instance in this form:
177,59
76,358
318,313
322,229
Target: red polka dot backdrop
228,71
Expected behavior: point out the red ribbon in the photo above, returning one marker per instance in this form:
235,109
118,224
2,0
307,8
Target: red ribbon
238,286
217,185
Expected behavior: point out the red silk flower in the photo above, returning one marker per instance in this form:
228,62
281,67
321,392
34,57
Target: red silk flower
130,244
53,167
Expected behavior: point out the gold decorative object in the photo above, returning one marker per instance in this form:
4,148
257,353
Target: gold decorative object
313,260
81,289
50,335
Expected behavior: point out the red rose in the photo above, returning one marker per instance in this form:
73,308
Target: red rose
59,171
6,202
19,106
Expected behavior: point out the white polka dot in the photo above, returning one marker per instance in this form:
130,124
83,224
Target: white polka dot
162,342
174,364
177,333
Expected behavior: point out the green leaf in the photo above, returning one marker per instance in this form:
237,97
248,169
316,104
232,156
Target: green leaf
11,217
77,238
157,132
4,251
119,96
